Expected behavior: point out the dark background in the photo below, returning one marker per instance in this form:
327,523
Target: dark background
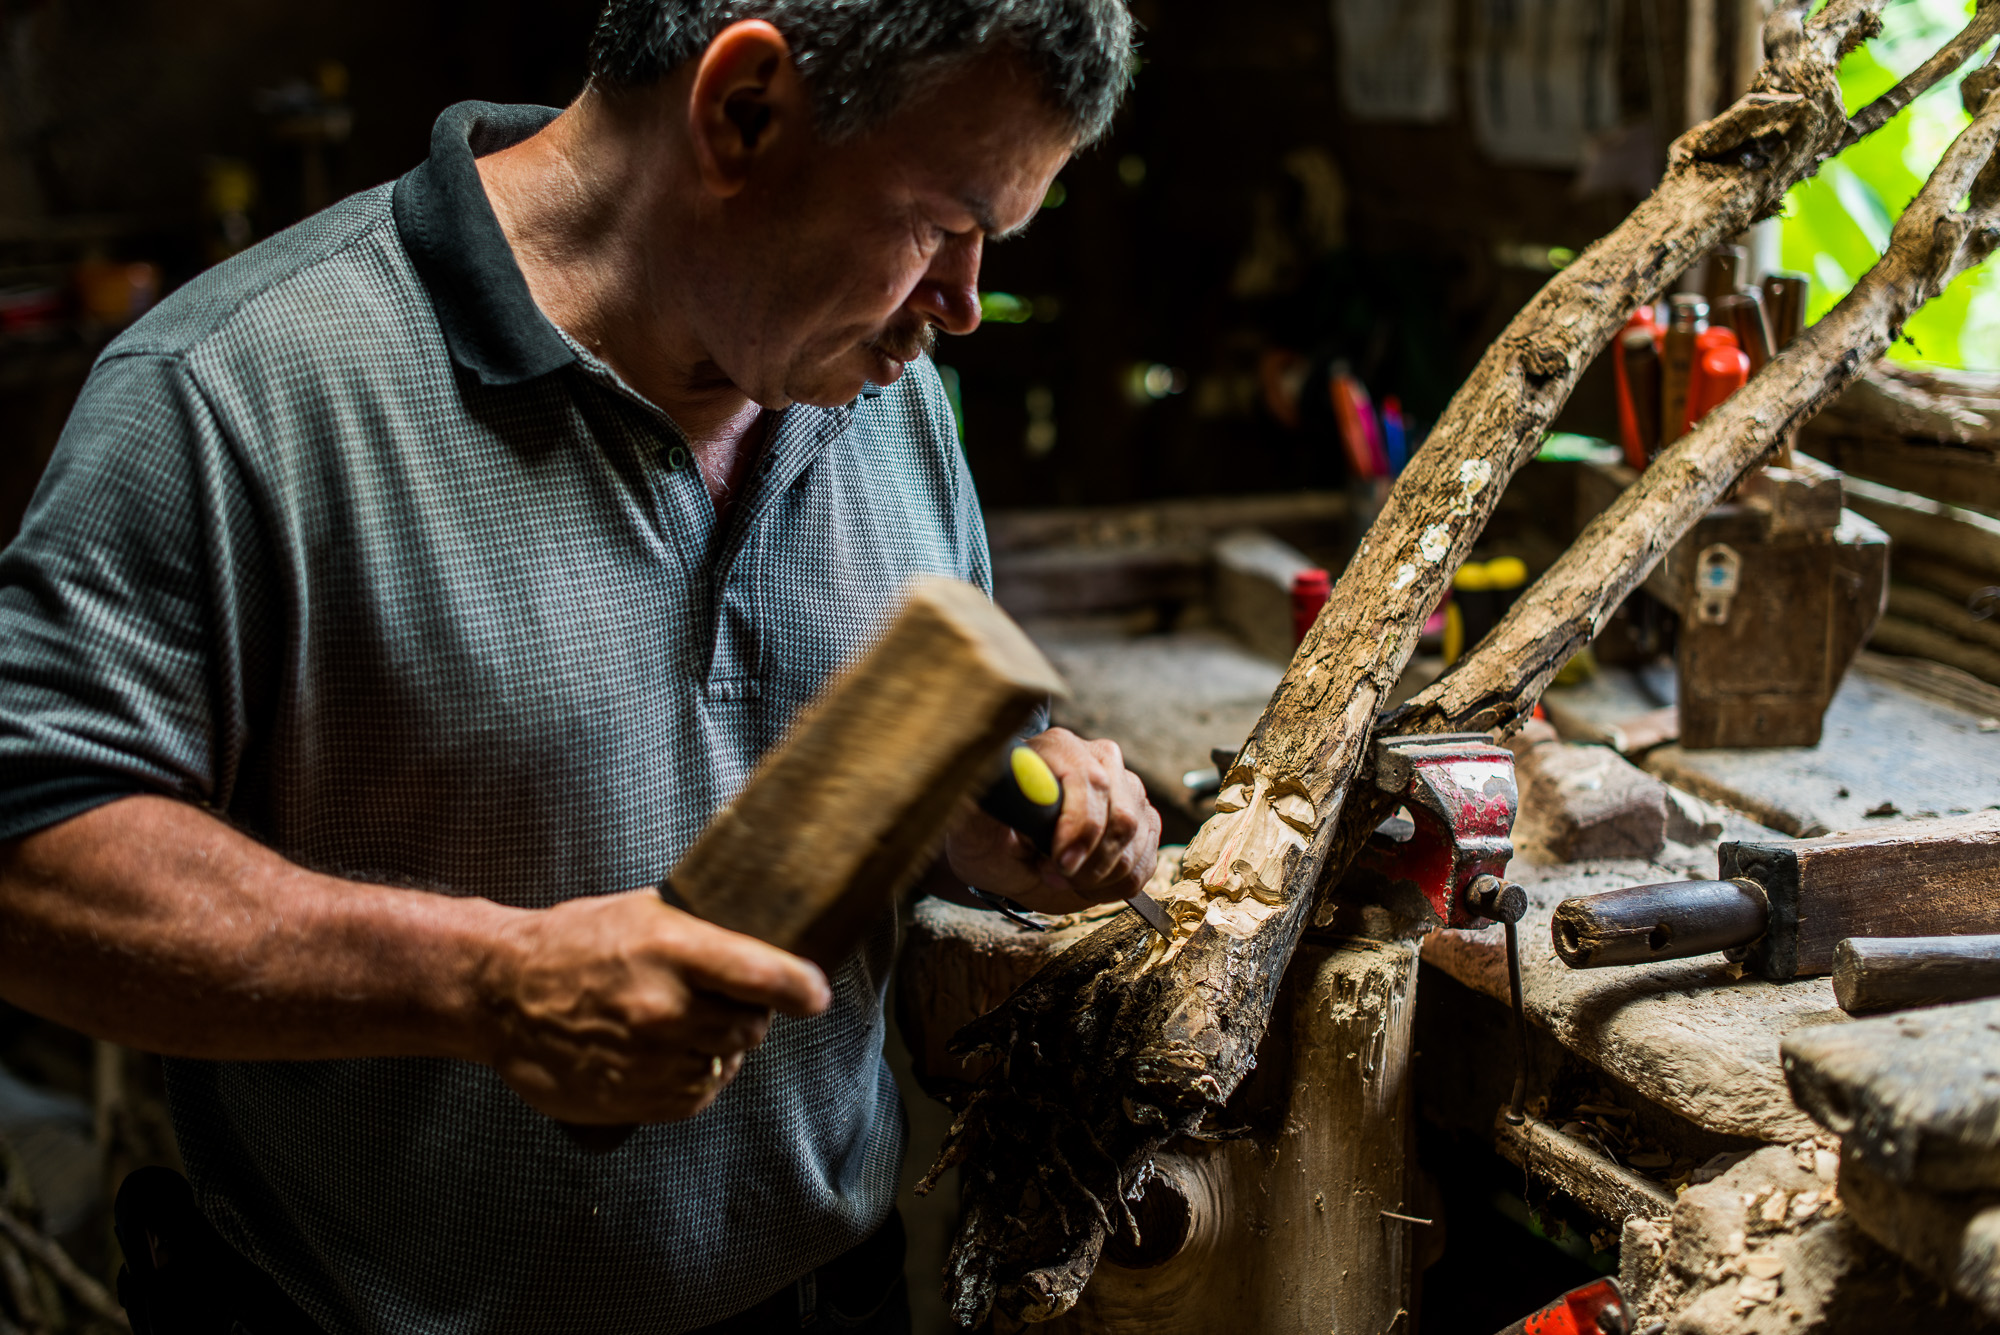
111,112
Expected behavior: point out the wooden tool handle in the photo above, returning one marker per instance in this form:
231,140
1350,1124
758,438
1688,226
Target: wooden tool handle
1659,922
1873,974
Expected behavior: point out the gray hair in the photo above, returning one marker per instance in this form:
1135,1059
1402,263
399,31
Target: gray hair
862,59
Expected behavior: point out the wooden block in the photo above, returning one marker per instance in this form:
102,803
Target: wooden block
1955,1239
1580,802
847,811
1266,1200
1802,585
1916,1097
1760,667
1916,878
1251,589
1291,1227
1805,498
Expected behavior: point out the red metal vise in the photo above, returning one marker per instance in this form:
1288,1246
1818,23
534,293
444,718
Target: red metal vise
1460,793
1459,790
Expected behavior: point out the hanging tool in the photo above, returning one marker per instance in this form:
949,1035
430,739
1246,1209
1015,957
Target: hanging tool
1785,299
1677,354
1027,797
1743,314
1783,906
1727,269
1310,589
1395,434
1639,394
1720,369
1638,397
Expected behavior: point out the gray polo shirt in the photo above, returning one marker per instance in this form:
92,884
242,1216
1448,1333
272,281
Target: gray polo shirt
348,544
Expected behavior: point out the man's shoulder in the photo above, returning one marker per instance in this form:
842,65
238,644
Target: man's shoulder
278,294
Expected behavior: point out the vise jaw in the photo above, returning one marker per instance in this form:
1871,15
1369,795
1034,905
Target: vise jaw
1461,797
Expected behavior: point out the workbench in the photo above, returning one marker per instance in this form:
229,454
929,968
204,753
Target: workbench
1691,1045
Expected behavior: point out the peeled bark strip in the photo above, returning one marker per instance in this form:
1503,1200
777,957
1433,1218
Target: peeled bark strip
1122,1042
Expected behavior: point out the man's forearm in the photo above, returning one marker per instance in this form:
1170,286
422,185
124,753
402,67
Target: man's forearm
151,923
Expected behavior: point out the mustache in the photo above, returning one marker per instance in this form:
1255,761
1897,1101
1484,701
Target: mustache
905,344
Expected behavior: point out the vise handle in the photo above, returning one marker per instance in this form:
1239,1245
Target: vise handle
1659,922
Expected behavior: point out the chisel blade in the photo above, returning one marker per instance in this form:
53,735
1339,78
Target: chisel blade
1154,913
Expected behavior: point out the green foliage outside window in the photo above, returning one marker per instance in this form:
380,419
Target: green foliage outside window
1836,224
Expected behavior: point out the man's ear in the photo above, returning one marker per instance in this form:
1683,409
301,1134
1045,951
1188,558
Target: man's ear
747,95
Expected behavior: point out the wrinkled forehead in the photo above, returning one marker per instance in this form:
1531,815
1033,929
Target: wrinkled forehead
981,134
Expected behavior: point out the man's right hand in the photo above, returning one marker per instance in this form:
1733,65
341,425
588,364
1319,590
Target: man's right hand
148,922
620,1008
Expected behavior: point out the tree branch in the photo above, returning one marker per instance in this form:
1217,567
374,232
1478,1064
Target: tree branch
1497,684
1984,26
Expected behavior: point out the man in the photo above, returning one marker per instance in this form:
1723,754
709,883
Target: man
407,590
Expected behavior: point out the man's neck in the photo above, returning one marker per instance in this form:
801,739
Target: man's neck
586,207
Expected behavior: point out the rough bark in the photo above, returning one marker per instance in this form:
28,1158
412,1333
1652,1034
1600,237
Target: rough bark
1121,1042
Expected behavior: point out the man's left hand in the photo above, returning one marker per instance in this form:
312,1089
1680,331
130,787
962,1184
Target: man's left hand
1106,839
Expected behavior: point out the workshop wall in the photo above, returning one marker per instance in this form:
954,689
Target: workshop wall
164,135
1164,328
1242,229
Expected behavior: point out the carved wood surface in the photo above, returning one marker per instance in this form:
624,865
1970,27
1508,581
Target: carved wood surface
1123,1041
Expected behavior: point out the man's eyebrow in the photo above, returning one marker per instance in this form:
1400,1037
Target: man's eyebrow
982,218
1011,232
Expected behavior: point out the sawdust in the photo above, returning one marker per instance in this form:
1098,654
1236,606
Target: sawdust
1766,1249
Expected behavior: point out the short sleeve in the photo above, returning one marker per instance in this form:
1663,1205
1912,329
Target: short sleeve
119,657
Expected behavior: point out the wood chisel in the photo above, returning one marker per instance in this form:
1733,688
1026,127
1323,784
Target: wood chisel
1677,351
1027,797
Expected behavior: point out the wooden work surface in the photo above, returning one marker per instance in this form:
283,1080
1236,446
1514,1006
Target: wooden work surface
1166,698
1691,1035
1884,746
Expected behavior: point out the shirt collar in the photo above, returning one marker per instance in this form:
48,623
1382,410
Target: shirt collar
490,322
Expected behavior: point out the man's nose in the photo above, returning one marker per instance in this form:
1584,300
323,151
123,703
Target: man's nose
948,295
